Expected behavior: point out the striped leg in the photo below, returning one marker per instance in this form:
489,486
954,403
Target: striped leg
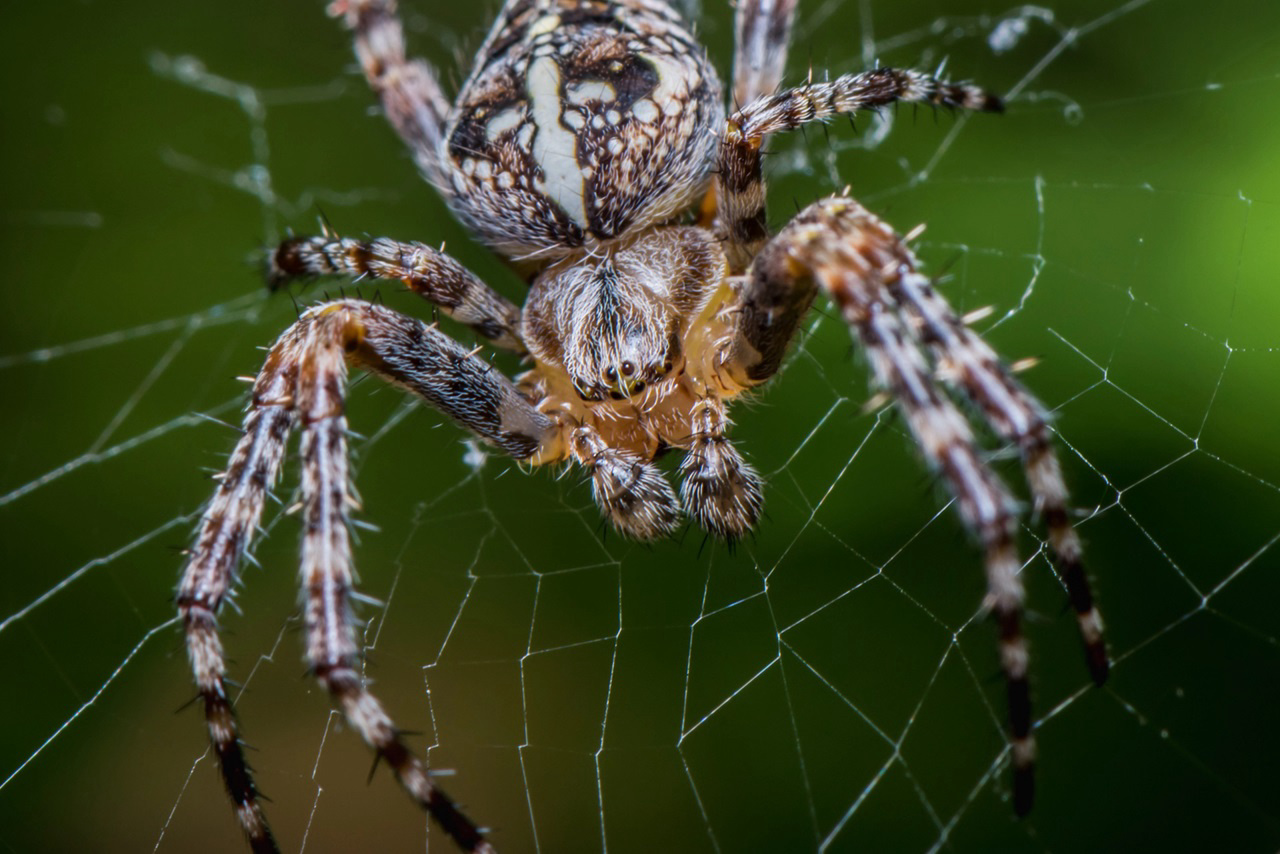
427,272
225,533
872,278
720,490
739,181
762,32
968,363
408,89
303,383
630,490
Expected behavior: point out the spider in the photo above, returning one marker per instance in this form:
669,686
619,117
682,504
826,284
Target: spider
591,148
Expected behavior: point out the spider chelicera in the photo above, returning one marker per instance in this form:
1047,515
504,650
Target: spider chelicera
590,147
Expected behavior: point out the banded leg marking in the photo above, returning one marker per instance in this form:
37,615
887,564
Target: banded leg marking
739,180
303,381
968,363
719,489
327,575
225,533
409,90
860,262
431,274
762,33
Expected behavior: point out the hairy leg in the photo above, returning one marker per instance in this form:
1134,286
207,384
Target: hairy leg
631,491
739,180
431,274
762,32
302,383
720,491
226,530
409,89
968,364
873,278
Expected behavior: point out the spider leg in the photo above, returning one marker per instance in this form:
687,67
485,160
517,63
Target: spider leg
762,31
739,181
225,533
968,363
770,302
871,276
302,383
630,490
720,490
427,272
409,90
761,34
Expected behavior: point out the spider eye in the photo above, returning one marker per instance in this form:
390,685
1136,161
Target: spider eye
611,374
638,387
627,369
667,366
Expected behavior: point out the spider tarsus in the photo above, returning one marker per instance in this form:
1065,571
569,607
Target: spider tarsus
1099,663
1024,790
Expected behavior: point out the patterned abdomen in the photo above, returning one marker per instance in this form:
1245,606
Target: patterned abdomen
584,120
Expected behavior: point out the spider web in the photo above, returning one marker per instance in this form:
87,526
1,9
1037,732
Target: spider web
831,684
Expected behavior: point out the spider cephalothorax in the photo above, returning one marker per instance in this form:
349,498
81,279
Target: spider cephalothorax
616,322
577,148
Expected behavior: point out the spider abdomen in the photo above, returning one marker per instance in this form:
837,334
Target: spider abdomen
583,121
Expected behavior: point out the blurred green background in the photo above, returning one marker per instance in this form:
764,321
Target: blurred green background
828,684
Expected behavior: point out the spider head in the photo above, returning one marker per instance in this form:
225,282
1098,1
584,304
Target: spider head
615,321
617,330
624,366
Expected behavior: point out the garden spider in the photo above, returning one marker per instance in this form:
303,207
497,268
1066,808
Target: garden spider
583,135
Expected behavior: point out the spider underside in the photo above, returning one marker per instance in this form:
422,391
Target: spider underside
586,132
